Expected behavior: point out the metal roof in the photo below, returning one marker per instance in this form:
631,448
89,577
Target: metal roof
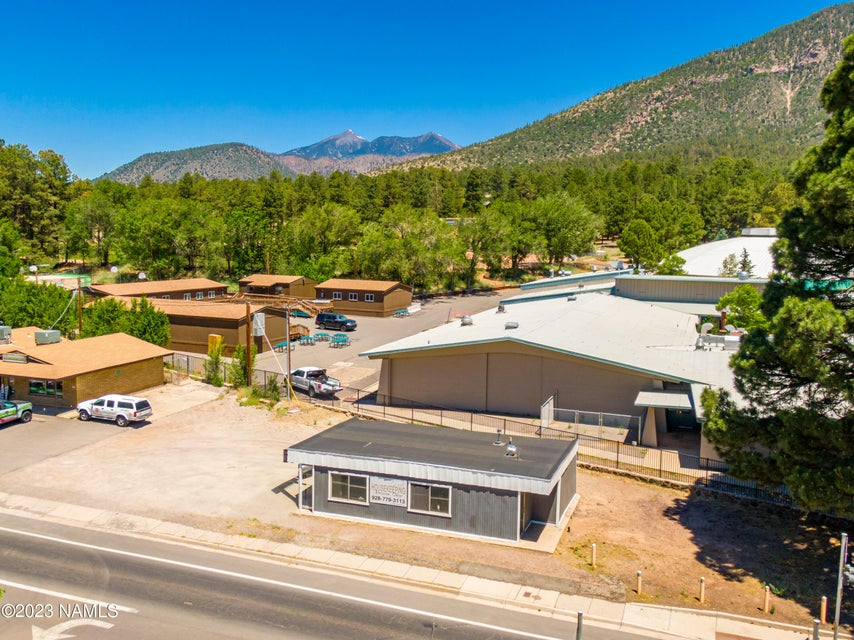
438,454
664,399
636,335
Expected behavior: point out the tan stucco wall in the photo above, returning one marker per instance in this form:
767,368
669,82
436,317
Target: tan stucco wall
510,378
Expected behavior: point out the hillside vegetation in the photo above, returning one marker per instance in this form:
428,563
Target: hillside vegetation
758,100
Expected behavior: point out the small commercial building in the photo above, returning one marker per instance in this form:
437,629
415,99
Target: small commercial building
456,482
379,298
47,370
184,289
278,285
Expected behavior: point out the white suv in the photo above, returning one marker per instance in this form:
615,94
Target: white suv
122,409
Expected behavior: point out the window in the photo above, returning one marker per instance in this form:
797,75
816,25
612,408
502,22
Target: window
46,388
200,295
336,295
321,295
369,297
348,488
211,294
188,296
429,498
166,296
353,297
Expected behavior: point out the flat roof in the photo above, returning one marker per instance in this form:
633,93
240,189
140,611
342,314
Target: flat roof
574,279
664,399
438,454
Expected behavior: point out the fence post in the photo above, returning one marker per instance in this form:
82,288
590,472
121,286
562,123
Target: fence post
471,421
618,455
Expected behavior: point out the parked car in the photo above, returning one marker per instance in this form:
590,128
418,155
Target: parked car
314,381
334,321
11,410
121,409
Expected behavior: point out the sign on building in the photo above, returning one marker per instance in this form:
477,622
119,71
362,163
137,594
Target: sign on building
388,491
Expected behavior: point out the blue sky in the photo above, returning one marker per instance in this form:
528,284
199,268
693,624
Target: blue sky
104,82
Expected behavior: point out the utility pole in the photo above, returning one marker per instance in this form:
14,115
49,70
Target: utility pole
288,349
843,556
248,344
79,309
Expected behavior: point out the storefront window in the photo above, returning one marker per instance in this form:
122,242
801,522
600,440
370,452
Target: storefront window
46,388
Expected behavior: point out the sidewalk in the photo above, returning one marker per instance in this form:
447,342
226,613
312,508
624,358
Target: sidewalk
650,620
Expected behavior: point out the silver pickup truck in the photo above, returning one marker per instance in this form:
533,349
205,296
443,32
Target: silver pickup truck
314,381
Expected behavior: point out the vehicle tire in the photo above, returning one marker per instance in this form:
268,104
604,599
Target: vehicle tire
121,421
311,392
26,416
83,415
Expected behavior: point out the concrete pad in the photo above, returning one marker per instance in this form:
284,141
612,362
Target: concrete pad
573,604
316,555
346,560
489,588
127,522
693,625
540,598
171,529
421,574
370,565
34,505
607,610
641,615
288,549
393,569
213,537
749,631
75,512
449,580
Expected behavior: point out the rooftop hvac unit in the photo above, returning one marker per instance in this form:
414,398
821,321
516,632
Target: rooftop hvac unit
5,333
511,325
466,321
49,336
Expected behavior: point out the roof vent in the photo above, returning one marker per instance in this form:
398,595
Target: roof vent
500,309
511,452
498,442
511,325
700,344
707,326
466,321
743,275
571,298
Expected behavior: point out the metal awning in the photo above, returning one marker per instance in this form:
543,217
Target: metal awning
664,400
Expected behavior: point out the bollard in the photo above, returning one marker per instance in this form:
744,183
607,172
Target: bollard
702,590
640,582
579,625
767,602
593,554
815,628
822,612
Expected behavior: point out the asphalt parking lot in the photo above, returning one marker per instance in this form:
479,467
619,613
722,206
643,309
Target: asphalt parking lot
359,372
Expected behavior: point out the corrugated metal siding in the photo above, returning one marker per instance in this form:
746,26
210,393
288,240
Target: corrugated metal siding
567,486
698,290
483,512
545,507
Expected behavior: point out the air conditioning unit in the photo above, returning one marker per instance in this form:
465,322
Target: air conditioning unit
259,324
49,336
5,333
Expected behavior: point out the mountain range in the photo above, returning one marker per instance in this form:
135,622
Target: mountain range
758,99
343,152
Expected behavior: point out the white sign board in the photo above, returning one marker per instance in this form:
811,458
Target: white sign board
388,491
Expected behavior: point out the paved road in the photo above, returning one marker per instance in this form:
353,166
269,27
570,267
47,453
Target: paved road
102,585
355,371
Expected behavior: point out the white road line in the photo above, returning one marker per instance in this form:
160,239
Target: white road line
278,583
65,596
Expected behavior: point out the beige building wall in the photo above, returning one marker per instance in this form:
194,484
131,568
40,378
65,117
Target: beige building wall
510,378
700,290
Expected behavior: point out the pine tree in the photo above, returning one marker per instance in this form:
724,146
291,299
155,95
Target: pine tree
795,425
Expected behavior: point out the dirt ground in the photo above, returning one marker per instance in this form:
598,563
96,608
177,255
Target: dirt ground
219,466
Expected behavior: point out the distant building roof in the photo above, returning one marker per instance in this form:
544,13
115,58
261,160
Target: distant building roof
74,357
363,285
200,308
270,279
438,455
635,335
148,287
707,259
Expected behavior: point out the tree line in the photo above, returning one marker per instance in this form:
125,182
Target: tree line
427,227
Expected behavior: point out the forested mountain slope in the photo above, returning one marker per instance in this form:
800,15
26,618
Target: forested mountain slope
759,100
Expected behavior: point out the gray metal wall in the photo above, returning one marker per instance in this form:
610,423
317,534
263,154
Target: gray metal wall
491,513
567,486
545,507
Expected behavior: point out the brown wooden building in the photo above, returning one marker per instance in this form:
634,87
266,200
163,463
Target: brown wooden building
191,322
184,289
378,298
65,372
278,285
